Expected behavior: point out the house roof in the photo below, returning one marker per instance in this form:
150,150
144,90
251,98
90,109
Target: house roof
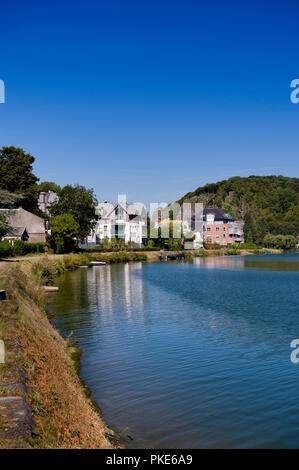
17,232
105,209
219,214
17,218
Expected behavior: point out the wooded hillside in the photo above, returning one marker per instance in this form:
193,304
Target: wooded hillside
273,201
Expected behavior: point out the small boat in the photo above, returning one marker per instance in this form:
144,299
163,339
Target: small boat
98,263
85,265
180,256
171,257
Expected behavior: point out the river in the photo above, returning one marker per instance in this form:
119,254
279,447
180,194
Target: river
189,355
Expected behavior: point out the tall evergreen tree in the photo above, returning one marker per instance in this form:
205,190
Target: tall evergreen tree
16,175
250,233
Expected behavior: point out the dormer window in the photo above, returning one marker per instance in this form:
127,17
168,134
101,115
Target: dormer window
210,218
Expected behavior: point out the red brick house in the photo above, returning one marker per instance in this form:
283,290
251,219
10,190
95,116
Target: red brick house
221,228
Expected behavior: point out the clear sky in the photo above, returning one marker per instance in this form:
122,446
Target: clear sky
151,98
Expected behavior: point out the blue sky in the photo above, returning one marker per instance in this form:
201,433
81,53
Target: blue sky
151,98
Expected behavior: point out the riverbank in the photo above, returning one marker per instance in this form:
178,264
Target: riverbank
73,260
43,403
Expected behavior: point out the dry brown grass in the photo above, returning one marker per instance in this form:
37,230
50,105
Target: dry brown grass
63,414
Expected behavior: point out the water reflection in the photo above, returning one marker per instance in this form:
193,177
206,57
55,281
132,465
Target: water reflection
107,285
189,354
288,262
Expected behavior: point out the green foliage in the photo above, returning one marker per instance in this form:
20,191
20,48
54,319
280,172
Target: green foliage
272,201
249,229
172,243
150,243
233,252
16,175
4,226
79,202
9,200
44,272
5,249
287,242
116,249
64,232
20,248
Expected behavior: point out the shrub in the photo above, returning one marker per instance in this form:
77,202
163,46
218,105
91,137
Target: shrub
43,272
285,242
5,249
20,248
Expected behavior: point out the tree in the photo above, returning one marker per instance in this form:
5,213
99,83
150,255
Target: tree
16,175
285,242
261,229
7,201
249,228
64,232
81,203
49,186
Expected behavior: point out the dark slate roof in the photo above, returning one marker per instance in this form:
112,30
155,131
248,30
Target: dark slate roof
17,232
219,214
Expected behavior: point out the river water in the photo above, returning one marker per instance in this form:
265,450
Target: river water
189,355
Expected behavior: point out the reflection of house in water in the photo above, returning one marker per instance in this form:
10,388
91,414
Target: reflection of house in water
110,283
213,262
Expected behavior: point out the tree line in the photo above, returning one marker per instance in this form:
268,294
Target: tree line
72,215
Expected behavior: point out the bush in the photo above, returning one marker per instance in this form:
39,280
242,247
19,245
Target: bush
5,249
44,273
20,248
284,242
232,252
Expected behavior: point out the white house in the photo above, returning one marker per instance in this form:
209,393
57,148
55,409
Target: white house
119,221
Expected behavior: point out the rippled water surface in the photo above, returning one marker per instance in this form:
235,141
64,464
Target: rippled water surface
189,354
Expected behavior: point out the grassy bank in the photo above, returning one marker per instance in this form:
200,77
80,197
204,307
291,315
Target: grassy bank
46,268
63,414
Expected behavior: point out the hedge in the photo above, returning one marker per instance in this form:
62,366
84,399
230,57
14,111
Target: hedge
20,248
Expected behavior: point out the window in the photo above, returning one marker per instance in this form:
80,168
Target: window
217,229
209,229
119,213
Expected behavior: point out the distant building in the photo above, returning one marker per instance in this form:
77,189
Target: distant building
25,225
120,221
45,199
221,228
184,227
